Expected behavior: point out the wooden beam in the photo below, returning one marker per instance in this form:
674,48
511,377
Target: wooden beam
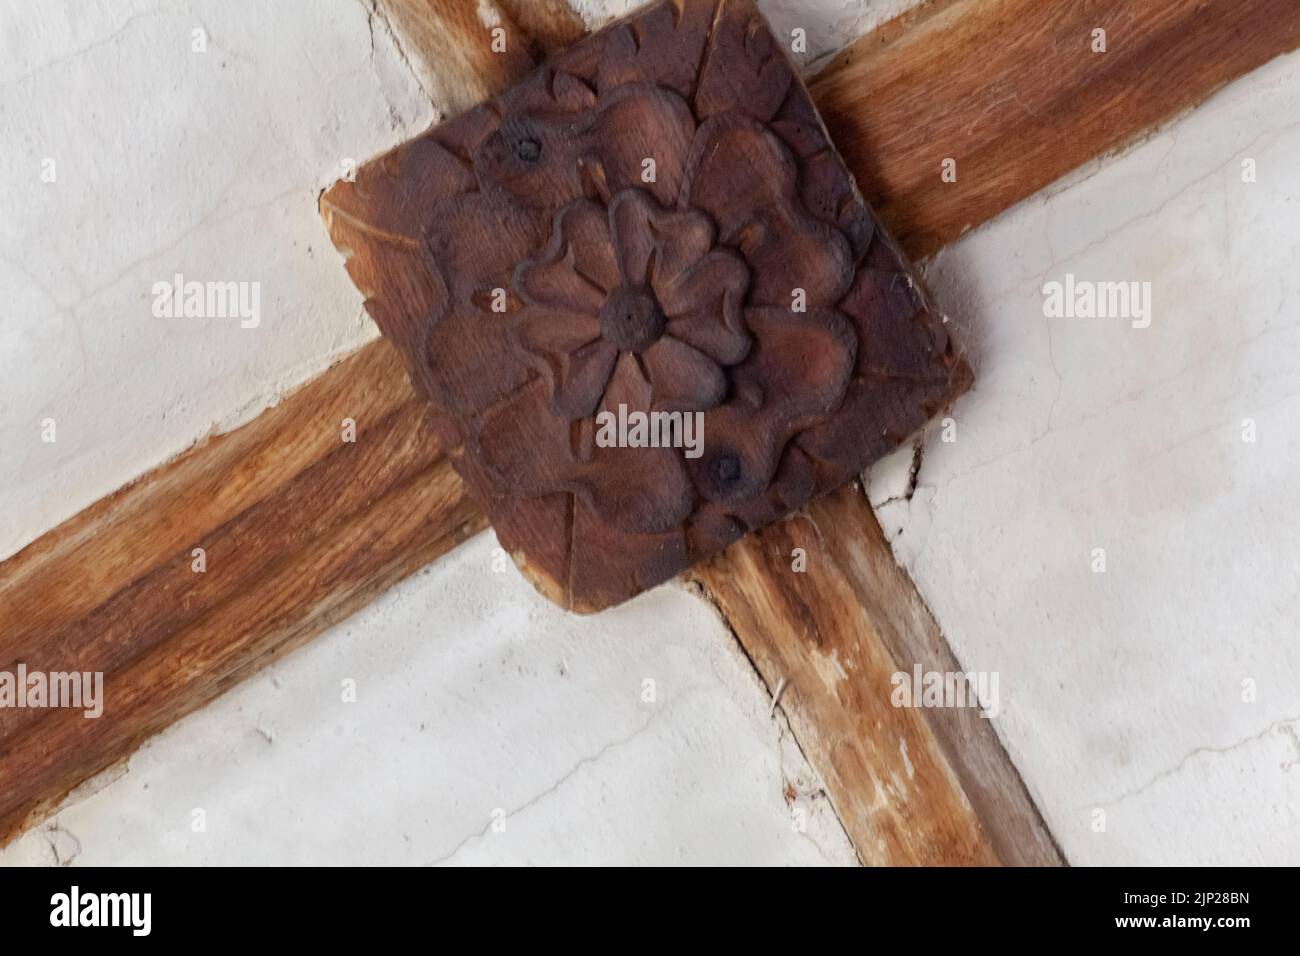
300,528
1012,90
911,787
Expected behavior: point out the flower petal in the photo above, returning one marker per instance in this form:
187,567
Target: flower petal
704,330
885,304
654,245
635,123
704,306
632,235
744,72
575,269
795,376
907,368
682,379
543,332
802,361
627,386
785,248
586,229
640,490
825,186
663,47
524,447
579,378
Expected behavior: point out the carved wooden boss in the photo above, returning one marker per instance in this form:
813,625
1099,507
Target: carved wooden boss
651,226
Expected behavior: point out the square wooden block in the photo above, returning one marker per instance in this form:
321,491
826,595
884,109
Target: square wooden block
647,304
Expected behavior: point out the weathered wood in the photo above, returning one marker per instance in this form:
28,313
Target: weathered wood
294,450
910,786
654,224
448,44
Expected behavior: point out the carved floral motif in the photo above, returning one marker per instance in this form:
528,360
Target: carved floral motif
669,230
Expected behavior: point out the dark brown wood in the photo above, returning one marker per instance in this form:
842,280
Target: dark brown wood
155,522
654,231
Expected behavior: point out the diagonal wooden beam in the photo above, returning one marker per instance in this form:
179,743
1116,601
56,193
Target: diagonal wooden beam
300,529
1013,92
911,787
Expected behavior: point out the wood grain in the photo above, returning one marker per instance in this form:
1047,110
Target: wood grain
1012,91
316,561
448,46
911,787
299,529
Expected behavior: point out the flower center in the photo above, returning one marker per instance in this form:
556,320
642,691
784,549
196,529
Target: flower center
632,319
529,149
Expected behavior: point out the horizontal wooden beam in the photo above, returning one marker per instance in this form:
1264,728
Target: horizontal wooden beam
300,528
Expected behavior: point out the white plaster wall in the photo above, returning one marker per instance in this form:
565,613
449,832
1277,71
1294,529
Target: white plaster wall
170,161
1122,691
476,701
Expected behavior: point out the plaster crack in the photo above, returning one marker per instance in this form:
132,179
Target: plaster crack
583,763
1282,724
82,51
913,477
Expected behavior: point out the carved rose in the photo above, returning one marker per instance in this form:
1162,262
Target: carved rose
533,272
635,291
676,295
